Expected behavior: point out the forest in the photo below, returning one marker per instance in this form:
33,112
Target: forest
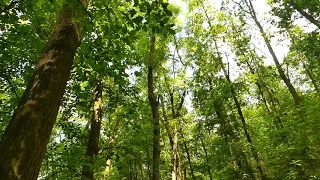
157,89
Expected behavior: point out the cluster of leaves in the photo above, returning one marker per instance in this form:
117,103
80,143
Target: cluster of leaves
231,92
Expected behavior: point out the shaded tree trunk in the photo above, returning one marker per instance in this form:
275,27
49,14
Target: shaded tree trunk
155,113
244,123
188,157
218,110
207,158
93,144
24,142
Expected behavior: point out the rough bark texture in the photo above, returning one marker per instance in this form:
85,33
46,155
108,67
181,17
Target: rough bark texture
93,144
286,80
155,113
176,171
24,142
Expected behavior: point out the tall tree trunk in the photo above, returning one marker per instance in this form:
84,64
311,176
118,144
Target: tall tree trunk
171,140
243,121
207,158
93,144
261,87
155,113
188,157
24,142
218,110
305,14
237,103
177,170
111,149
292,90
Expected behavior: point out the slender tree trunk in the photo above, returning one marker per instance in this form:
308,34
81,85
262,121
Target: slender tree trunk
305,14
155,113
188,157
24,142
218,110
283,76
93,144
243,121
310,75
261,87
111,149
244,124
207,158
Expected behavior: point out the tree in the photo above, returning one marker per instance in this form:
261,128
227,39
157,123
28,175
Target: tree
95,124
32,122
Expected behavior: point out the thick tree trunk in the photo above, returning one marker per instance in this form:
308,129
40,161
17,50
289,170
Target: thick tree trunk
292,90
111,149
93,144
24,142
155,113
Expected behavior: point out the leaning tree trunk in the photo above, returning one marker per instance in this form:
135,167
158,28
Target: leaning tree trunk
24,142
305,14
243,121
286,80
93,144
155,113
238,106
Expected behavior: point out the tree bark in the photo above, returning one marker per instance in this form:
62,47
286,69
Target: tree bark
155,113
111,149
24,142
93,144
292,90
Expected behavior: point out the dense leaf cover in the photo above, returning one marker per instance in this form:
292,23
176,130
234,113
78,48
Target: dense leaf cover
230,105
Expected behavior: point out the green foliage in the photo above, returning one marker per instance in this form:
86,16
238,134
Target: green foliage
188,61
